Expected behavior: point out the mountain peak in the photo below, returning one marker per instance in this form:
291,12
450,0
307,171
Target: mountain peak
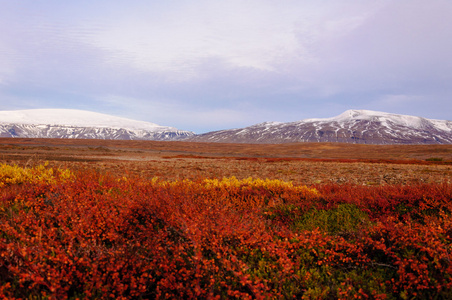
357,113
352,126
383,117
73,123
74,117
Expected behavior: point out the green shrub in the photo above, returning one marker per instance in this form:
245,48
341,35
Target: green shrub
342,219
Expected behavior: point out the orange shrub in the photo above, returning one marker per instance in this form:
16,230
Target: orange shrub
87,235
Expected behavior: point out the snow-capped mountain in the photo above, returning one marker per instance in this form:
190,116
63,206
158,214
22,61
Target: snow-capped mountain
352,126
70,123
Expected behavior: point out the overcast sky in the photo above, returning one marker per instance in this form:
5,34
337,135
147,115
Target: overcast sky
205,65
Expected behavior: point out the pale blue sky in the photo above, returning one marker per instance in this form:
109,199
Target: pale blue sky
207,65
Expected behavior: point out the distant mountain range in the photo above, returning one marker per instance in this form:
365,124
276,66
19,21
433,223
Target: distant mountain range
79,124
352,126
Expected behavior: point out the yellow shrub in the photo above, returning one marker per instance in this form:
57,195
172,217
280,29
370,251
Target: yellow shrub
232,183
13,174
269,184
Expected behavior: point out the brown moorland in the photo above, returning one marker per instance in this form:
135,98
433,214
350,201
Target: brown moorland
301,163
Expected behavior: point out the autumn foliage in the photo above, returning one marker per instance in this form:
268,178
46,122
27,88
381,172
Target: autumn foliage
89,235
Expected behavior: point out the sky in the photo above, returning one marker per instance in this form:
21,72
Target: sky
205,65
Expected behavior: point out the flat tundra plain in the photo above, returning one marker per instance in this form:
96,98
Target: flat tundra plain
300,163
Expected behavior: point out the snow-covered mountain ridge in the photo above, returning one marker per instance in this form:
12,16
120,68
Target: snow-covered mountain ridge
352,126
76,118
70,123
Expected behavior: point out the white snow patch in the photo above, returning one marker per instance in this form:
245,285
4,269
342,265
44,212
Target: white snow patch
77,118
385,118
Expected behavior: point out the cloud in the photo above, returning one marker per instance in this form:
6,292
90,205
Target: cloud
203,64
175,41
182,37
405,45
242,34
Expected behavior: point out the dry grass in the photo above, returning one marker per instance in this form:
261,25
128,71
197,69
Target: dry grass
302,163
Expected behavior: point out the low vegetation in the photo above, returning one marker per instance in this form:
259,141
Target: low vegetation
81,233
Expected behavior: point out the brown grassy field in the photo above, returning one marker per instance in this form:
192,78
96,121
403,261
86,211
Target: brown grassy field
301,163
